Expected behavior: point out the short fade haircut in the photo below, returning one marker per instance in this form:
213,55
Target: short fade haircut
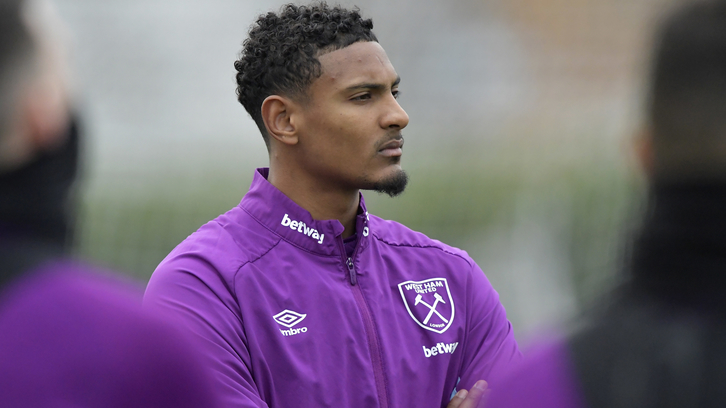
17,50
687,107
279,57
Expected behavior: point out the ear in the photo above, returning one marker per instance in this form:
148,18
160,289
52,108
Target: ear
278,115
643,147
45,112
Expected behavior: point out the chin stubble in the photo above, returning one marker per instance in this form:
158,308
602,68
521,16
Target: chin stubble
392,185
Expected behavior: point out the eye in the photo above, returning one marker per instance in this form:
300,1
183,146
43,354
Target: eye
396,93
361,97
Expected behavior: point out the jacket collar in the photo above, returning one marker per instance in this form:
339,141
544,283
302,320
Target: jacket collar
293,223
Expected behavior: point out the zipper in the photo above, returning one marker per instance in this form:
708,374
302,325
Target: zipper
370,328
348,262
351,272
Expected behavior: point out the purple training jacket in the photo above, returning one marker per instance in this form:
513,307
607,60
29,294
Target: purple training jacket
287,319
70,338
545,378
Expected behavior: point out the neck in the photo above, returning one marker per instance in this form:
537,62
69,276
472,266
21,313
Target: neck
323,201
35,199
680,254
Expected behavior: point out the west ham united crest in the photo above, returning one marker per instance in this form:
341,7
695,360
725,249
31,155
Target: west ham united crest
429,303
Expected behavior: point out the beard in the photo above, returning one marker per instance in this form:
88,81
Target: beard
392,185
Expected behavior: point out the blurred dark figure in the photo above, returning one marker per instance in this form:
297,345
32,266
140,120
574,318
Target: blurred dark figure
662,341
38,142
69,336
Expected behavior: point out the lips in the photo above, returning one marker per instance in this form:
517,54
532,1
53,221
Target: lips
392,148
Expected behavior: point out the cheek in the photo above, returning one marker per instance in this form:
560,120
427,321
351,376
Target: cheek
342,131
339,136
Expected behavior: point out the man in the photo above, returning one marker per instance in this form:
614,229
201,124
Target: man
69,336
662,341
301,297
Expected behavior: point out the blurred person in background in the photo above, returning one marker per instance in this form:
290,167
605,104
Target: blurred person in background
69,336
300,296
661,342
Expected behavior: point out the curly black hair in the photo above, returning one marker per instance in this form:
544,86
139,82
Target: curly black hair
280,55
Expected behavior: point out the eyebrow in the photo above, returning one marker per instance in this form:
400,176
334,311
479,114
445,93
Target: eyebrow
373,86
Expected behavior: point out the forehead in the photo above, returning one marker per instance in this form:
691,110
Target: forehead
361,62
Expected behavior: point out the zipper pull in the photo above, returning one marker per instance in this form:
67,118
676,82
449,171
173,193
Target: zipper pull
351,272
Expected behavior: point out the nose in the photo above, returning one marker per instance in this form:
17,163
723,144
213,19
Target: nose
394,116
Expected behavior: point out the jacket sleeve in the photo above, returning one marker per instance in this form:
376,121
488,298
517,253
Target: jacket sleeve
189,290
546,378
490,348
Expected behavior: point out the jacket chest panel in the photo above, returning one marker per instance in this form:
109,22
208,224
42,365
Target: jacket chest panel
304,319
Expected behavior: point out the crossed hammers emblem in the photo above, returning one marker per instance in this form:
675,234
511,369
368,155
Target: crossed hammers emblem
432,308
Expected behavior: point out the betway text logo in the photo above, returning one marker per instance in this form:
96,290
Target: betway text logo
440,348
302,228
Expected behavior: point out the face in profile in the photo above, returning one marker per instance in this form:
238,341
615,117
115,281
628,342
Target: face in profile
40,95
49,105
351,122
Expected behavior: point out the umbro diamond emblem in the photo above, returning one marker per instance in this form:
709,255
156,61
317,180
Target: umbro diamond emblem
289,318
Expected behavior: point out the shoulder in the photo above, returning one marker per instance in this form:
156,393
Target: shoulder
224,244
67,320
72,285
395,234
202,270
75,299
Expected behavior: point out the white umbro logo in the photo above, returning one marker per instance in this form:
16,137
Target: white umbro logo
289,318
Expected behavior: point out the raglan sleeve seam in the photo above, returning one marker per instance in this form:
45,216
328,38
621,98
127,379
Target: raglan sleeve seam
247,262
